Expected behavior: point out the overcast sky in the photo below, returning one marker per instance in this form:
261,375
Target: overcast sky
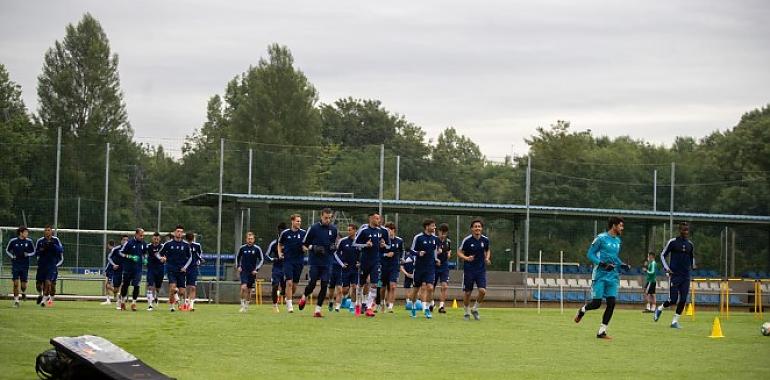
495,70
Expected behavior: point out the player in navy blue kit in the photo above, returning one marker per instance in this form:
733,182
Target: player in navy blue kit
290,250
248,262
178,259
155,271
407,268
278,281
424,248
320,242
678,259
191,276
20,249
475,254
373,241
133,257
49,251
114,271
442,268
346,257
390,266
109,291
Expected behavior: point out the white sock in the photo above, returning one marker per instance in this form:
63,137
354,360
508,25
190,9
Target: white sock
676,318
275,305
390,305
602,328
192,303
108,298
583,309
15,298
476,305
432,302
408,300
317,309
660,307
337,306
441,304
648,306
288,304
467,309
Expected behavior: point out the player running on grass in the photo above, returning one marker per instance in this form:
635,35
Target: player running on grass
191,276
155,271
604,253
178,259
320,242
407,268
346,257
290,250
20,249
424,248
442,268
390,266
681,259
474,252
133,257
249,260
372,241
49,251
114,271
277,281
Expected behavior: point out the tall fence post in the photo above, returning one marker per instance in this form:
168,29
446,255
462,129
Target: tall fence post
58,170
159,212
106,200
219,212
77,238
248,210
398,182
382,174
526,229
671,205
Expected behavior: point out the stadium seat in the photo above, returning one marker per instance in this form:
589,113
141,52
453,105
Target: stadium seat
530,282
624,284
550,268
561,282
634,284
572,283
550,282
735,300
663,285
583,283
713,286
571,269
539,281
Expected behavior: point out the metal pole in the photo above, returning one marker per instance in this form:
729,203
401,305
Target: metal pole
382,173
248,210
732,256
219,211
539,277
727,254
398,182
106,199
159,211
457,241
77,239
58,169
655,190
671,205
526,231
561,280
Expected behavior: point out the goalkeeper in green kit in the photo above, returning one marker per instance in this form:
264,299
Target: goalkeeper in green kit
650,277
134,257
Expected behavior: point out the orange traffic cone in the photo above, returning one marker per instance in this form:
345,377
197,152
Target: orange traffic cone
716,329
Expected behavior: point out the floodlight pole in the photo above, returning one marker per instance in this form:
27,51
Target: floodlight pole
526,227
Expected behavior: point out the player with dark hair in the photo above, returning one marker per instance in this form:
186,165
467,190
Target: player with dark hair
346,257
475,254
442,267
49,251
424,248
114,271
155,271
650,276
133,258
278,281
604,253
681,259
178,259
109,291
191,276
407,268
250,259
290,250
372,241
390,266
20,249
320,242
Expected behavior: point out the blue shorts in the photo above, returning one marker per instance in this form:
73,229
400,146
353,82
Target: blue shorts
155,277
604,287
319,272
348,277
46,274
388,275
132,278
680,287
424,276
442,275
335,279
191,276
370,274
109,272
19,273
248,279
277,277
292,270
479,278
117,278
176,277
408,282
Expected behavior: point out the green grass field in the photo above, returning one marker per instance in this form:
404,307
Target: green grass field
217,342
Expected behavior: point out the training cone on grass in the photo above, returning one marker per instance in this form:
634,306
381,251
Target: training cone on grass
690,311
454,303
716,329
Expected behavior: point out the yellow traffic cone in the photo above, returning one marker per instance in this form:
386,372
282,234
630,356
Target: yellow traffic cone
716,329
454,303
690,310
